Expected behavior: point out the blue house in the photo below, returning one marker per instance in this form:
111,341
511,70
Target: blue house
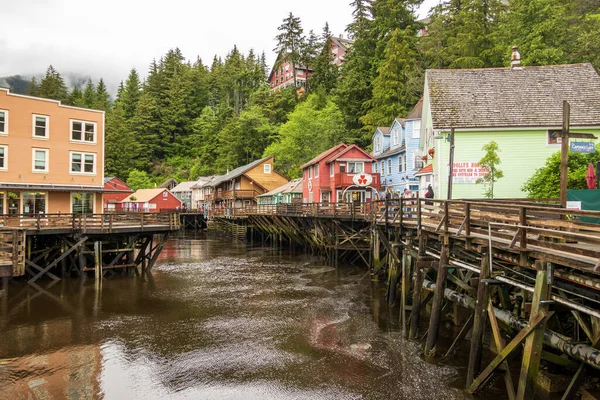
397,152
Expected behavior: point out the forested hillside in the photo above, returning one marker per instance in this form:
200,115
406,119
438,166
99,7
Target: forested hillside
188,119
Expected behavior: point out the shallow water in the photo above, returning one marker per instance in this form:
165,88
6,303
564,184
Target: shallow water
214,320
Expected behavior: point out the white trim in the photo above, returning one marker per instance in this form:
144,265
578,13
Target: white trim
8,93
267,168
83,154
514,128
33,126
5,167
5,133
82,141
40,171
93,201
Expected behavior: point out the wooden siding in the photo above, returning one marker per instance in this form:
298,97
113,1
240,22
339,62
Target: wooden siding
269,181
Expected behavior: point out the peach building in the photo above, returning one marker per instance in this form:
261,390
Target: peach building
51,156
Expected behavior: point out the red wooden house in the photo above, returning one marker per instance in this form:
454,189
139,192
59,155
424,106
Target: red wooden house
330,176
115,190
151,200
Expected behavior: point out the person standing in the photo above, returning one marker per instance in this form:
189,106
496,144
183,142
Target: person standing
429,195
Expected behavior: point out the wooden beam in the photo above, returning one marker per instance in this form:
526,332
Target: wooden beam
51,265
438,299
479,321
510,386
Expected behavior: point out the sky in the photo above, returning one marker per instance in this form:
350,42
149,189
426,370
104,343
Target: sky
106,38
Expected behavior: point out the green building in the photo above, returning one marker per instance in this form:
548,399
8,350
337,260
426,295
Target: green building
289,193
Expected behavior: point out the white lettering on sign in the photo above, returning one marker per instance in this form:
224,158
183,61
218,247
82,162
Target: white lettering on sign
467,172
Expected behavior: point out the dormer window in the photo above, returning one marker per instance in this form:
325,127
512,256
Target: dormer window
267,168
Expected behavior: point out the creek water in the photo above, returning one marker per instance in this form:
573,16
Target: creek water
216,319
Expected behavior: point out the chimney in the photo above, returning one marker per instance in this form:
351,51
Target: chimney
515,58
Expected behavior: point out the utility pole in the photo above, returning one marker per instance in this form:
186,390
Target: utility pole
451,164
564,154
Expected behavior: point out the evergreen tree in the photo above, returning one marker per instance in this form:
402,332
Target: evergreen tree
102,98
33,87
325,72
52,86
130,94
290,42
76,97
89,95
123,151
398,84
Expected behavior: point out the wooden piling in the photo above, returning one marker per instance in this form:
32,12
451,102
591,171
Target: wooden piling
98,262
479,321
438,299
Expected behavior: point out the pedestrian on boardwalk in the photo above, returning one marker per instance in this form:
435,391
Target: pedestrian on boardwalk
429,195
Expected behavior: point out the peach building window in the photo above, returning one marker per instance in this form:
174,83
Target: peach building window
40,160
83,131
40,126
3,158
83,163
3,122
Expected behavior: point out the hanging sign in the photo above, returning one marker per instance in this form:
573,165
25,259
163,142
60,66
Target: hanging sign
362,179
582,147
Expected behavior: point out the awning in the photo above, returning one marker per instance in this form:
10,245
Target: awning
51,188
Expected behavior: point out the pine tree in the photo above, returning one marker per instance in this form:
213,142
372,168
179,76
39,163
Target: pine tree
52,86
33,87
76,97
290,42
325,72
102,101
89,95
130,94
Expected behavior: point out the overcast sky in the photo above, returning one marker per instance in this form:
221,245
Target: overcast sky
106,38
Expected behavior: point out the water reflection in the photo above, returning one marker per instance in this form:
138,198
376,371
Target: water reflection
214,320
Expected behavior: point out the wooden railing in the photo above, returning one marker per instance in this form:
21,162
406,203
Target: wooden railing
556,234
84,222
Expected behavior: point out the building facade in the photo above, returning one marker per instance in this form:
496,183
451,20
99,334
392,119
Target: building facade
524,121
282,75
288,193
115,190
51,156
329,177
396,150
184,192
151,200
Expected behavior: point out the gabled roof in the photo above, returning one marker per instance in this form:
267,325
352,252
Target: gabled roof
342,43
417,110
385,130
204,180
108,179
513,97
401,121
143,195
239,171
324,154
184,186
346,150
390,152
168,182
293,186
427,170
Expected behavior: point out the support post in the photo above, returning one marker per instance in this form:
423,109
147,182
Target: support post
479,321
406,259
415,313
438,299
532,352
98,262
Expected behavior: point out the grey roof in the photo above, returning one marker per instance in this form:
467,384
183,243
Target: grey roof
237,172
293,186
184,187
384,129
519,97
416,111
108,179
390,152
342,43
203,181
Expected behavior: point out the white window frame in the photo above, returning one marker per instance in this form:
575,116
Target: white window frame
400,163
83,123
33,126
395,136
309,172
361,163
5,166
5,131
316,170
389,163
375,167
93,203
331,169
40,171
83,154
267,168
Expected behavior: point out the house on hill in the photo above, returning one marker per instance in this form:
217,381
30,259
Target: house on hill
151,200
115,190
520,108
239,188
183,191
396,150
282,74
329,177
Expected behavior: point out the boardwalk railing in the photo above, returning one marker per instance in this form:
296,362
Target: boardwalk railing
541,230
105,223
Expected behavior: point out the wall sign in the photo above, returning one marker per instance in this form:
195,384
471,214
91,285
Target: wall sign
582,147
362,179
467,172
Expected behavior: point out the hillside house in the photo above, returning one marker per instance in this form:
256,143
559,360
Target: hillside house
328,178
51,156
520,108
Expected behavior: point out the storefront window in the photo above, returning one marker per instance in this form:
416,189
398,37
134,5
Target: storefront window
1,203
83,203
34,203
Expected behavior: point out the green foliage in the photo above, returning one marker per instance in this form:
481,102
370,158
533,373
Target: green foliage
290,42
313,127
139,180
53,86
545,182
102,98
490,162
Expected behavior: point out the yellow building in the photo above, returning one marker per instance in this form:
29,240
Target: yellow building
51,156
